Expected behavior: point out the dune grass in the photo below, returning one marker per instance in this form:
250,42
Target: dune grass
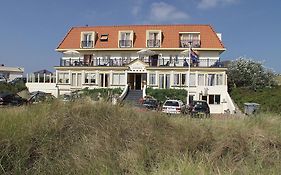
268,98
86,138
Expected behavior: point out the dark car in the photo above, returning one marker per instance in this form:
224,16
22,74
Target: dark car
18,80
12,99
151,104
199,108
39,96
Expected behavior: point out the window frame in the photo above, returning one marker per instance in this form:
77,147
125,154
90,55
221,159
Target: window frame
90,80
131,38
92,39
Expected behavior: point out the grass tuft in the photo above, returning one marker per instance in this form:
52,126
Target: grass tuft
99,138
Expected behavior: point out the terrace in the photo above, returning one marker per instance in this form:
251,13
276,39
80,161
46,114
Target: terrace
152,61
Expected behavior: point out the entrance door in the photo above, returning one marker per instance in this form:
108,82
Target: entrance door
131,80
138,81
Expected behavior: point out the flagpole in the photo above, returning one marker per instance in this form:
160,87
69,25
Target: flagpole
188,77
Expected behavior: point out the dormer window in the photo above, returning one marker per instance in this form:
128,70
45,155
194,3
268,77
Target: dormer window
153,38
125,39
87,39
104,37
187,38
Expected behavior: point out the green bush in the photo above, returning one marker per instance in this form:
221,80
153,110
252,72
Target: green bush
164,94
6,87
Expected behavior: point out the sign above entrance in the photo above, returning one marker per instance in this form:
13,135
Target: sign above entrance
137,66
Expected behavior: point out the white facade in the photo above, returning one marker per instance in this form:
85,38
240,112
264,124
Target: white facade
145,56
10,73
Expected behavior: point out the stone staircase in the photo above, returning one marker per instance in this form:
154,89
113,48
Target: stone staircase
133,97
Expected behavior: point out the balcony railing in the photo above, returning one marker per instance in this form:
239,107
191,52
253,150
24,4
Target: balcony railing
95,62
153,43
86,44
158,62
125,43
186,43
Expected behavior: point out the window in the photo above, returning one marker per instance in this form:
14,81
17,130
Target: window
201,81
214,99
176,79
211,79
161,81
186,38
118,79
104,37
217,99
152,79
183,79
211,99
192,79
204,97
87,39
153,38
219,79
125,39
63,77
90,78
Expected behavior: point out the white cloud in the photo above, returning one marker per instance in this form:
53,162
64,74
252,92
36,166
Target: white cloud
206,4
137,7
163,12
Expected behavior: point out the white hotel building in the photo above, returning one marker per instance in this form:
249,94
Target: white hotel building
140,56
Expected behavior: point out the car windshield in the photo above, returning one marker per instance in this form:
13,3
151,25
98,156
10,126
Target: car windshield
149,102
203,103
171,103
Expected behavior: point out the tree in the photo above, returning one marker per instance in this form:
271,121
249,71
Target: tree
249,73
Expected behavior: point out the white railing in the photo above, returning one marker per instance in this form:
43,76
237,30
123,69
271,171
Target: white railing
144,91
230,104
40,78
124,93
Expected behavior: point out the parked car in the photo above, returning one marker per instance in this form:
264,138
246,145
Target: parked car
151,104
2,79
12,99
39,96
18,80
199,108
173,107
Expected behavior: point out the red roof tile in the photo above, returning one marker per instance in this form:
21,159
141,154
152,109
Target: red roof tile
170,36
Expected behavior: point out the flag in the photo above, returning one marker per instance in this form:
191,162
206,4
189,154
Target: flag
194,57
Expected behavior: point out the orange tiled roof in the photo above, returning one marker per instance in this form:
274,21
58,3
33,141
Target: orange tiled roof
170,38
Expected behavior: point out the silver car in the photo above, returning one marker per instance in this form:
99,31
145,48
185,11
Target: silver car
173,107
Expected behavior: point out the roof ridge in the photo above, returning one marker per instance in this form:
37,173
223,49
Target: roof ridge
140,25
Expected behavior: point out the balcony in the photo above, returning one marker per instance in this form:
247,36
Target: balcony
153,43
125,43
194,43
152,62
87,44
94,62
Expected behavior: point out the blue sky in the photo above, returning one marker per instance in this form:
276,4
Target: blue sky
30,30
